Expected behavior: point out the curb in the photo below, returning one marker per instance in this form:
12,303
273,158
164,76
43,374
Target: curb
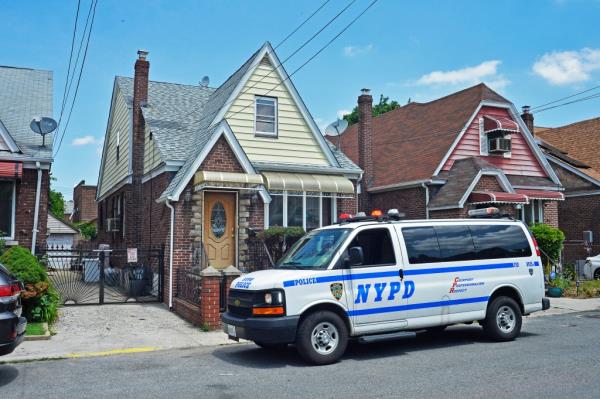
43,337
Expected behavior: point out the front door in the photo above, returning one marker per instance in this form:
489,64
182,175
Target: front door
219,228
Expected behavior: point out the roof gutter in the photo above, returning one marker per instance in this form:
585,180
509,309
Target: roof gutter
426,188
36,211
408,184
171,231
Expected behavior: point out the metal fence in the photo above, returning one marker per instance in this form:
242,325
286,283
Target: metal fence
189,285
259,257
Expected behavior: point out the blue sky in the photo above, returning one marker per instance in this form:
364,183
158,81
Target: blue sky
531,52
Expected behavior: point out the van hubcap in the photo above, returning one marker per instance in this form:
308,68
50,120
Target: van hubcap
324,338
506,319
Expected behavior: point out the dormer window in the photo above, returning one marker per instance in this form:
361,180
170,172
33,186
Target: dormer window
265,120
496,135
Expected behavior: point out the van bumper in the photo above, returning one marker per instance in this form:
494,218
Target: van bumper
269,330
545,303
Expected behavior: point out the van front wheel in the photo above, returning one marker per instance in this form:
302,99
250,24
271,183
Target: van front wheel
503,320
322,338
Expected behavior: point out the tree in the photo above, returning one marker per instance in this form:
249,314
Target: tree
87,230
378,109
57,204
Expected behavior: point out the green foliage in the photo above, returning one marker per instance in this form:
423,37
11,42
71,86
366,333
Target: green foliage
40,299
57,204
569,271
378,109
2,244
87,230
35,329
278,239
559,282
550,241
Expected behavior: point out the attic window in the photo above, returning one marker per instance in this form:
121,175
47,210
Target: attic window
265,120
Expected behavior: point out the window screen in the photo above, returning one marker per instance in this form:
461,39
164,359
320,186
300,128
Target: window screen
500,241
377,247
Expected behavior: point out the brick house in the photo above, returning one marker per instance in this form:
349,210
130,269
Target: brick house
85,208
24,161
574,153
440,159
215,164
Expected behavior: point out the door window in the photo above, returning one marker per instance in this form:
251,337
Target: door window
456,243
500,241
421,245
218,220
377,247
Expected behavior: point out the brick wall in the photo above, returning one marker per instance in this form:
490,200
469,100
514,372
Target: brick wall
25,205
84,203
410,201
575,215
488,183
551,213
221,159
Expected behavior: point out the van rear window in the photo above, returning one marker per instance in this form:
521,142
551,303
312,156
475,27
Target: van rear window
463,243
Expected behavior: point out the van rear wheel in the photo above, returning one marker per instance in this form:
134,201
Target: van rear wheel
322,338
503,319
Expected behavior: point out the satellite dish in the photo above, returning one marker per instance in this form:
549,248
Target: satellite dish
205,81
43,125
336,128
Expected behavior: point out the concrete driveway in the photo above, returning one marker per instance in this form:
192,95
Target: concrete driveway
111,329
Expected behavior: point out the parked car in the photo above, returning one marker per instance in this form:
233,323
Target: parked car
591,269
12,324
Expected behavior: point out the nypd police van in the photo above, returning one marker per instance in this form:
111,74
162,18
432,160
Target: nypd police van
381,278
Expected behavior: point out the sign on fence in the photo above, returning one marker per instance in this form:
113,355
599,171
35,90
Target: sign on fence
132,255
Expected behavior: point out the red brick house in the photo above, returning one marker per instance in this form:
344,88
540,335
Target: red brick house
574,153
198,168
439,159
85,208
25,159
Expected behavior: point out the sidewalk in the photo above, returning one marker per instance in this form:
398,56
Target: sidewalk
569,305
113,329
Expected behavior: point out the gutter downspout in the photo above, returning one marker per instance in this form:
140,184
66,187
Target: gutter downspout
168,204
426,188
36,212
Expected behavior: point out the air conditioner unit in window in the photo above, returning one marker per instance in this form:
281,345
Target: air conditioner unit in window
112,224
499,145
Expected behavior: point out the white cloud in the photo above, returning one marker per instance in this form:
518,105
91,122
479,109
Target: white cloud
340,114
354,51
566,67
85,140
468,75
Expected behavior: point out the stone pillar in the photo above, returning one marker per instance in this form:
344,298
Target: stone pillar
230,273
209,298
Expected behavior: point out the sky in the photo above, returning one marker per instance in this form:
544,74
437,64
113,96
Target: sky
530,52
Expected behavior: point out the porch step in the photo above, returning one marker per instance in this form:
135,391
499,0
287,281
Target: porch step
367,339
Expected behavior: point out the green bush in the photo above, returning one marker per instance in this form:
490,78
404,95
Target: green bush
87,230
279,239
40,299
550,240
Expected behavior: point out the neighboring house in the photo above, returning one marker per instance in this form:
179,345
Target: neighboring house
24,162
69,209
468,150
217,162
60,233
85,208
574,152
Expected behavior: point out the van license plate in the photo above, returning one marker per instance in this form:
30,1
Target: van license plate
231,330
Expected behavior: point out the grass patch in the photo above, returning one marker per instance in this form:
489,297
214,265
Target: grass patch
35,329
587,289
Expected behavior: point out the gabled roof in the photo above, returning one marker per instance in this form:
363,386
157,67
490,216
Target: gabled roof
57,226
24,94
410,142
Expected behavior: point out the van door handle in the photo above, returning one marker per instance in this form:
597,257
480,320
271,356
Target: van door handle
401,274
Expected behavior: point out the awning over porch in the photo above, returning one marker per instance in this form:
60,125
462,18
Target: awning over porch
308,182
542,194
203,176
497,196
499,123
13,170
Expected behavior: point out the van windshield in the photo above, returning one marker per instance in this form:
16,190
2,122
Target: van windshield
315,250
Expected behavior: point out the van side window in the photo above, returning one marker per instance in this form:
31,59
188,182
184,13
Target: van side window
500,241
456,243
377,247
421,244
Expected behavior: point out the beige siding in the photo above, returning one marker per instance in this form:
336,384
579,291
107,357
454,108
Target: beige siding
151,154
114,171
295,142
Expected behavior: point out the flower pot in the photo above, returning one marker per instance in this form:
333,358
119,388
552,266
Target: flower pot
555,292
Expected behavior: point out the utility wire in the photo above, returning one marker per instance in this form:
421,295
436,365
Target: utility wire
302,24
590,97
95,3
64,99
566,98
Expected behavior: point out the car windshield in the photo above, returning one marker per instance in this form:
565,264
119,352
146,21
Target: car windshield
315,250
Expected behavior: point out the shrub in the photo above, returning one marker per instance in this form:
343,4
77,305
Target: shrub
40,299
550,241
87,230
279,239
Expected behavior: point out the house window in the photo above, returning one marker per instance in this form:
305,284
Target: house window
301,209
533,212
118,144
265,121
7,209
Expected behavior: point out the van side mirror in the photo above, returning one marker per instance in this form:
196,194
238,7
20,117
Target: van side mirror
356,256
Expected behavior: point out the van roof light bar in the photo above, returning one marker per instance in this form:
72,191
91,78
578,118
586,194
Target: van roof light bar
490,212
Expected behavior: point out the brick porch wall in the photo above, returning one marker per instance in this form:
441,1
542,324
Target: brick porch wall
25,206
410,201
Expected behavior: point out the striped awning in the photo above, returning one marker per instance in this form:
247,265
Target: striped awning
497,196
542,194
308,182
227,177
491,123
13,170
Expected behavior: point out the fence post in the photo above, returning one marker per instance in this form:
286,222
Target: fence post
210,297
101,277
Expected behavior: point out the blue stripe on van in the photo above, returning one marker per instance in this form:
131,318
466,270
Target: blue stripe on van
412,306
394,273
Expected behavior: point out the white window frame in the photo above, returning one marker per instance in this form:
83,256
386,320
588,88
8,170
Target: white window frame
534,203
276,121
14,212
304,196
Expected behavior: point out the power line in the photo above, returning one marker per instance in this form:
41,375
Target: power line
95,3
302,24
596,95
64,99
566,98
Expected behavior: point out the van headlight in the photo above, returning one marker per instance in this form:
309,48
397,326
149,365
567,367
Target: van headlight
273,304
274,298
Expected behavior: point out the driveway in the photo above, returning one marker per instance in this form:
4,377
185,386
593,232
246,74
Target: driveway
110,329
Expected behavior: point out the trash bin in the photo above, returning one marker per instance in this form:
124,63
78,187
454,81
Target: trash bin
137,282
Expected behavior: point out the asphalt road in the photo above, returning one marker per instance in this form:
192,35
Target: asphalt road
555,357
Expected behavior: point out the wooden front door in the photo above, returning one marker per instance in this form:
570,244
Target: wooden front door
219,228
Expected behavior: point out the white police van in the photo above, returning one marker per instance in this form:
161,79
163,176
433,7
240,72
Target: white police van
383,278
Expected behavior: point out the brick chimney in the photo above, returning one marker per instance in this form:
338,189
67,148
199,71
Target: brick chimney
365,142
134,205
527,117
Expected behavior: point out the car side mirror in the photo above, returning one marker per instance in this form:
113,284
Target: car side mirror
356,256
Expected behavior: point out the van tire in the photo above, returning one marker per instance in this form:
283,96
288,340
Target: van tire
503,319
322,338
